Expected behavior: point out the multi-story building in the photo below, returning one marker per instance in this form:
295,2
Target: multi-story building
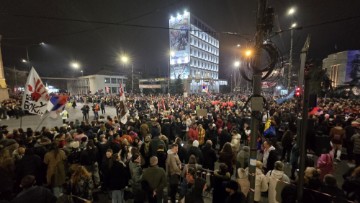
343,67
194,53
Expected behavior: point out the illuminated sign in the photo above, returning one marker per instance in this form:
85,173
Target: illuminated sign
179,38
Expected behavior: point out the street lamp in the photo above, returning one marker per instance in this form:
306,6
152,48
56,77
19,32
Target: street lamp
75,65
125,59
82,73
27,60
172,54
236,64
291,12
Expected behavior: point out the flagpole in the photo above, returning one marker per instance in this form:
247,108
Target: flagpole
45,117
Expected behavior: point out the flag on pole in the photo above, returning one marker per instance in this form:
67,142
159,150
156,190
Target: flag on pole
56,104
36,96
122,109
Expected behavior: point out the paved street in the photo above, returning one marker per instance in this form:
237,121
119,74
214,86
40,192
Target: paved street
33,121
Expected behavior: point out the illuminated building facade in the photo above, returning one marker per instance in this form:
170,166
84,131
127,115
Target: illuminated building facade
194,53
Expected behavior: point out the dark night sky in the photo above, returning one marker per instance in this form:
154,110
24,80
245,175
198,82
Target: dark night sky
96,46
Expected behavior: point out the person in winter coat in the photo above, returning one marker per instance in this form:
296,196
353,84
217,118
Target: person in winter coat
106,168
235,141
337,136
55,175
211,134
82,183
173,170
351,185
64,115
32,193
194,150
330,187
261,182
193,133
88,158
243,180
286,142
118,179
161,154
277,180
136,175
30,164
156,178
356,150
234,195
209,155
218,182
201,135
227,156
270,156
325,164
242,158
145,151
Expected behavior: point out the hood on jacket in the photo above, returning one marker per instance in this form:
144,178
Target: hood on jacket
276,174
242,173
169,151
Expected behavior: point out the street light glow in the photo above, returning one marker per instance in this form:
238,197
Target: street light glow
42,43
124,59
24,60
248,52
291,11
75,65
237,64
172,53
293,25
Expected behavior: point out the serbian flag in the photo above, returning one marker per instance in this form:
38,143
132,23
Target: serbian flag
57,102
123,111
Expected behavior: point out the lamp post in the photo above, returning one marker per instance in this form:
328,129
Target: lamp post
27,60
291,12
125,60
236,66
172,54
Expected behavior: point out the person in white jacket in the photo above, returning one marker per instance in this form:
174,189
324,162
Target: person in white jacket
277,180
261,182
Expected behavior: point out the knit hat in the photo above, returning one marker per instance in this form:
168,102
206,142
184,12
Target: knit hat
233,185
195,143
153,161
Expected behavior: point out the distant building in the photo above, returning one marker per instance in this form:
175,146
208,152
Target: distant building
343,68
104,84
194,53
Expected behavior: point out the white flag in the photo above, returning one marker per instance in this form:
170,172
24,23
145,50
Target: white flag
36,96
123,111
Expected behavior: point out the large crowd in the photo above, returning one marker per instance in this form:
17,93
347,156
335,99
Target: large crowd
183,149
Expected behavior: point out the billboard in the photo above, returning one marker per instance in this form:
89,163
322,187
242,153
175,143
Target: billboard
353,67
179,38
181,71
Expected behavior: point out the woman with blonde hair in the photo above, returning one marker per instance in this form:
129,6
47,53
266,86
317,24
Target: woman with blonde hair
81,183
201,136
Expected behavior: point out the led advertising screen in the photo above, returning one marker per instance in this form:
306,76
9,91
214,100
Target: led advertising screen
181,71
179,38
353,68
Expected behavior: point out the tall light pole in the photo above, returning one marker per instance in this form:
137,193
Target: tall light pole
172,54
27,60
125,60
236,66
291,12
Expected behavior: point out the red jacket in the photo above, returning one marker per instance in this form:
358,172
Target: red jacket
193,134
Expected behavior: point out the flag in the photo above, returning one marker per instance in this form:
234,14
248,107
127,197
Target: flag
57,103
123,111
36,96
284,99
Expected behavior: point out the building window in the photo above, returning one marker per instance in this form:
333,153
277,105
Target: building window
114,90
107,80
113,80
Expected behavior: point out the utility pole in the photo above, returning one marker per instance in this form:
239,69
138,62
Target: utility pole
290,59
256,100
304,117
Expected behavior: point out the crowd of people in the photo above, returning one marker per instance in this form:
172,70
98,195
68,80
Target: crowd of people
181,149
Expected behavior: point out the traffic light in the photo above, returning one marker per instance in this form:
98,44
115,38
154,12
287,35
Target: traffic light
297,92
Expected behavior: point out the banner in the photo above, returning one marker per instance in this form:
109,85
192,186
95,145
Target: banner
36,96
